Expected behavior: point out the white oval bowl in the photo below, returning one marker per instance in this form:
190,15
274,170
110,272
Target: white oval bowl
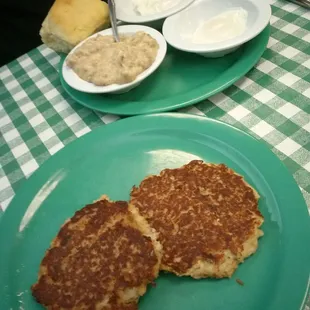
178,28
126,13
79,84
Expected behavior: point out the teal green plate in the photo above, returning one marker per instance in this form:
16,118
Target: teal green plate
110,160
182,80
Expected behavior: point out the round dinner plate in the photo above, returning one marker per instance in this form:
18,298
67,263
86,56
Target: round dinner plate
113,158
181,80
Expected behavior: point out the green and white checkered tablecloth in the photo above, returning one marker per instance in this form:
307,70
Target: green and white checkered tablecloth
272,102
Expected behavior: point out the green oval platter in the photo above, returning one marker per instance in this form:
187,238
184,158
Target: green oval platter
182,80
113,158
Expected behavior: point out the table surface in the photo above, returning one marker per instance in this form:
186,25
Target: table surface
272,102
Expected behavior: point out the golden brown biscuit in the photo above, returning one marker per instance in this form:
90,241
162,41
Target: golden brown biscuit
71,21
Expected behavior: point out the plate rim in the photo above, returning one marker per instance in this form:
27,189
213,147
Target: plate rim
167,117
257,46
261,23
139,19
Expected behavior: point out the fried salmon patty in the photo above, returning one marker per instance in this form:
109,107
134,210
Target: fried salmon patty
206,216
102,258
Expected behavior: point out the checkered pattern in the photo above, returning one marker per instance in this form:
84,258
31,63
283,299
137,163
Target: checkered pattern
272,102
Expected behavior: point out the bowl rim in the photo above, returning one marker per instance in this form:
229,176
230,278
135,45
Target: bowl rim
87,87
264,10
182,4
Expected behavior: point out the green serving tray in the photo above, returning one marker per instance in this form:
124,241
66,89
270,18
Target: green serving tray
182,80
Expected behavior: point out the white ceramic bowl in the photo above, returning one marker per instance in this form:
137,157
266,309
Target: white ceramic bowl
126,13
77,83
179,28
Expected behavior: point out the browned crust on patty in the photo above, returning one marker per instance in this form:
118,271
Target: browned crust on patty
99,260
203,213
